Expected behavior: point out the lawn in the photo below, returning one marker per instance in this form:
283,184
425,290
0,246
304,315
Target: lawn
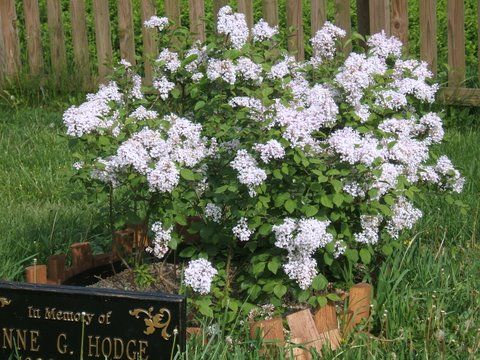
426,303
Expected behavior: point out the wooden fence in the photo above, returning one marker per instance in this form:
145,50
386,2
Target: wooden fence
372,16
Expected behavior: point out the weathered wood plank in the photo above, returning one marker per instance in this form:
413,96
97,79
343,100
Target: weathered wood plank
125,31
103,38
270,12
197,19
343,21
379,16
2,53
456,42
358,305
149,43
459,96
295,20
246,7
32,33
11,43
173,11
318,15
399,20
81,54
428,33
58,53
302,326
363,17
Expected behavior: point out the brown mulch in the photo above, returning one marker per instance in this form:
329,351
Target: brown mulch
166,280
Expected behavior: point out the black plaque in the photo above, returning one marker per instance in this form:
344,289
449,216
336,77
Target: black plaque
41,322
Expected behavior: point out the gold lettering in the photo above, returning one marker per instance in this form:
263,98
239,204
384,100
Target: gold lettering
105,353
49,313
7,338
21,339
34,334
131,355
118,353
62,349
90,346
143,348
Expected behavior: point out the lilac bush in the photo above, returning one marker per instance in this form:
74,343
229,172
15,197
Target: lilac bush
295,172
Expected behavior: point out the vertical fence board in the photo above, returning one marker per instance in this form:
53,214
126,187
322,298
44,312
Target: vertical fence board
246,7
173,11
197,19
379,16
478,38
318,15
103,38
149,43
428,33
2,53
11,43
270,11
81,54
456,42
399,19
57,37
217,5
125,31
32,32
343,20
295,20
363,17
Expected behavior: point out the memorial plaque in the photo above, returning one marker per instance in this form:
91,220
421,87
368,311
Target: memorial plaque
40,322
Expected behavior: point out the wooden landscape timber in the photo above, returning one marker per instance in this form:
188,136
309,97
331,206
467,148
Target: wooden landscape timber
373,16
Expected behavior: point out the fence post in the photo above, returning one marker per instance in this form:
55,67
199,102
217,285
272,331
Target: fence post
149,43
318,15
399,26
58,53
197,19
34,42
295,20
270,11
456,42
379,16
246,7
343,19
125,29
11,46
80,42
428,33
103,38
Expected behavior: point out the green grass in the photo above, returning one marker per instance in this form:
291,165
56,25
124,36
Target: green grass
429,289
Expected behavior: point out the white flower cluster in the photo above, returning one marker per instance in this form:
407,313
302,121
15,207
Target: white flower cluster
272,149
95,114
213,212
155,22
301,238
248,171
241,230
324,42
164,86
404,217
382,45
233,25
262,31
160,241
370,228
199,276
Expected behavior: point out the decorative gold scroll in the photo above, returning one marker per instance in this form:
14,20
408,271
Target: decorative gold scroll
154,322
4,302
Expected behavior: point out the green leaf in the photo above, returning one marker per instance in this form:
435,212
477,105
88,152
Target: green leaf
352,255
200,104
334,297
328,259
321,301
325,201
365,256
310,210
265,229
387,249
290,205
187,174
320,282
188,252
280,290
259,267
337,199
274,265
